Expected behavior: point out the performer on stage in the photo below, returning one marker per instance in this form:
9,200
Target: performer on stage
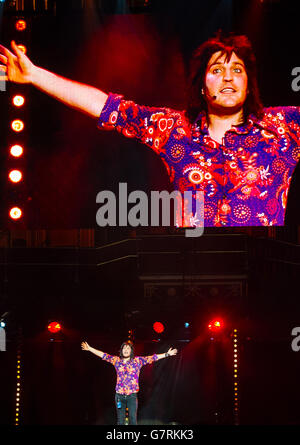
128,370
241,155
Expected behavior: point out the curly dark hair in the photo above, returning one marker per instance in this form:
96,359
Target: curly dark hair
129,343
227,44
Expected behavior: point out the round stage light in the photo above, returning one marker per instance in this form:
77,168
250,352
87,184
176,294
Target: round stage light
2,324
17,125
158,327
15,213
15,176
20,25
54,327
16,150
18,100
216,325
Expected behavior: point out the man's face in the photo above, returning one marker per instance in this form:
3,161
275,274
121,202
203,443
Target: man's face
226,84
126,351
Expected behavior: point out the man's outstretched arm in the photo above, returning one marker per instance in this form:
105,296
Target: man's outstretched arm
18,68
86,347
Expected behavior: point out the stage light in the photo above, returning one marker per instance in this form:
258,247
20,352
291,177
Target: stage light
16,150
158,327
15,213
22,48
186,324
54,327
130,336
235,376
2,324
18,100
18,389
20,25
17,125
15,176
216,325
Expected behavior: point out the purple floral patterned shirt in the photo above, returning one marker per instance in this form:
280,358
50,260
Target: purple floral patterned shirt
245,180
128,372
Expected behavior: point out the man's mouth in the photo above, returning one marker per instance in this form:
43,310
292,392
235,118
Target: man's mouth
228,90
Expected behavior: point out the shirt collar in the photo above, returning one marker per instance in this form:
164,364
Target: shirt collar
201,122
245,128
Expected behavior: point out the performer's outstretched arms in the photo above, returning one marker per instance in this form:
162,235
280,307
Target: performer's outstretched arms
86,347
167,354
20,69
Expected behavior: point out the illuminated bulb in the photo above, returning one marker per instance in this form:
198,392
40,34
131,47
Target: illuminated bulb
22,48
15,176
18,101
158,327
15,213
17,125
20,25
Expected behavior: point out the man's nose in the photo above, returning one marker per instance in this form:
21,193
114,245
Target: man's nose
227,74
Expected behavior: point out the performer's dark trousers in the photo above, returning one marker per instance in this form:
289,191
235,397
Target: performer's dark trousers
131,402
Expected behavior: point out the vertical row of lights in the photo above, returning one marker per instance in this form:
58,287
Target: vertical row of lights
18,389
130,336
16,149
130,339
235,376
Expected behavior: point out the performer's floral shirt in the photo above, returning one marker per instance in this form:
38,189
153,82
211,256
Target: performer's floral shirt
128,372
245,180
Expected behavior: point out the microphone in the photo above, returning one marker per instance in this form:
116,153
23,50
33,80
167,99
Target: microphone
213,97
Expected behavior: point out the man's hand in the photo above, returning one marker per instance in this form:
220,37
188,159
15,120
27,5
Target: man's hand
17,66
172,351
85,346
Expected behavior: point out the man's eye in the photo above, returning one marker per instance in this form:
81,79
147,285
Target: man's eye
216,70
237,70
